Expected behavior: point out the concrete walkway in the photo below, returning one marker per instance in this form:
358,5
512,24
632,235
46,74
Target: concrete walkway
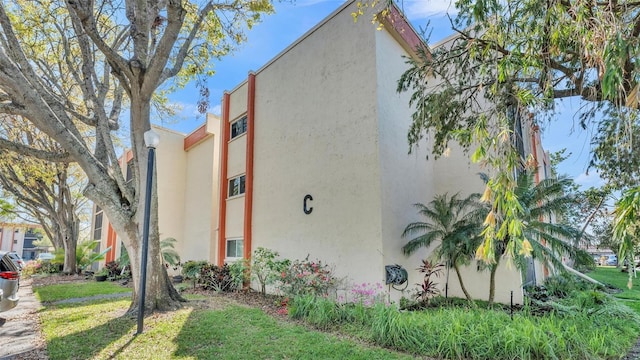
19,329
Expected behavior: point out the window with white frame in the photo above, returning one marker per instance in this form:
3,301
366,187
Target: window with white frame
239,127
97,224
236,185
235,248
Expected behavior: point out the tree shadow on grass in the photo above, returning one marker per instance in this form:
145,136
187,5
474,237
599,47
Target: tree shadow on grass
246,333
88,343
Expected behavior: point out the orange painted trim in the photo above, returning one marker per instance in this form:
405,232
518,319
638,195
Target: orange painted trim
248,182
402,29
111,241
196,137
534,145
128,156
224,183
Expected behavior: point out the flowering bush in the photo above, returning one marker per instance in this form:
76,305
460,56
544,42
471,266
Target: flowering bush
307,277
366,294
31,267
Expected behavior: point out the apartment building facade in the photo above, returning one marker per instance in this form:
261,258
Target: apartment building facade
310,158
20,238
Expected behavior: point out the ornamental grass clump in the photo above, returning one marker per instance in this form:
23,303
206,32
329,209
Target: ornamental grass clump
596,327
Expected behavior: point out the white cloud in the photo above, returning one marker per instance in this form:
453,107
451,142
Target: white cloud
423,9
215,110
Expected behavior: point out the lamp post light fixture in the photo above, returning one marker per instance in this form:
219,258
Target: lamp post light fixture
151,140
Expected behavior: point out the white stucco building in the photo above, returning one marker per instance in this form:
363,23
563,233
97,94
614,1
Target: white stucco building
310,157
20,237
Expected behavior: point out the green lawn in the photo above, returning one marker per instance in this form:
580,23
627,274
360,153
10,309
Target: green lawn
58,292
614,277
99,330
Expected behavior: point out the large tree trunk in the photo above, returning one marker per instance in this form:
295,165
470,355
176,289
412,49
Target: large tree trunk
160,293
464,289
69,236
68,221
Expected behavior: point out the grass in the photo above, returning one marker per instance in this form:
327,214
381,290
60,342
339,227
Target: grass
58,292
589,326
99,330
616,278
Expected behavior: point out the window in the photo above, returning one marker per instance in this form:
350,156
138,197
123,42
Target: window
97,227
235,248
236,186
239,127
129,175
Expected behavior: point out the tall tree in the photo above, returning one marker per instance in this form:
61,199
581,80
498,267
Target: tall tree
48,192
69,66
5,209
454,224
509,57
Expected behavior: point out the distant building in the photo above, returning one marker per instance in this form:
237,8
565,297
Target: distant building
20,238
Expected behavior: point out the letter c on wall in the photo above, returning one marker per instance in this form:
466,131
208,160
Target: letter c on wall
307,209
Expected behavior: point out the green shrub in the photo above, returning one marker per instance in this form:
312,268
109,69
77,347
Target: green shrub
30,268
217,278
266,269
191,270
238,272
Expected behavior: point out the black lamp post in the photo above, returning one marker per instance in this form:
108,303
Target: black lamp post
151,140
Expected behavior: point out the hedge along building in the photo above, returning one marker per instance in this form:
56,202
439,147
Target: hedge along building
313,162
187,178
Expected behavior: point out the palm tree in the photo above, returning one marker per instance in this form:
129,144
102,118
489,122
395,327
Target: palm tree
453,222
543,238
626,226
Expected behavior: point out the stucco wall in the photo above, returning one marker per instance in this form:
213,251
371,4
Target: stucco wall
199,206
406,178
316,134
238,104
171,166
12,238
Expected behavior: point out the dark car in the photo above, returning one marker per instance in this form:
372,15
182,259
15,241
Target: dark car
16,259
9,282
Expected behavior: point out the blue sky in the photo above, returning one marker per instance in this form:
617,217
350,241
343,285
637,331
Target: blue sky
293,19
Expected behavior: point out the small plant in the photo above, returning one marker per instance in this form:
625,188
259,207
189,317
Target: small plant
307,277
191,270
169,255
366,294
428,288
114,270
265,267
217,278
238,272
